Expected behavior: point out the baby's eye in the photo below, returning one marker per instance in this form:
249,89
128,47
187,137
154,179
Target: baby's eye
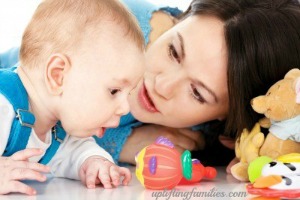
114,91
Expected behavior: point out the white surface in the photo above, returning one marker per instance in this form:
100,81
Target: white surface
15,14
58,188
182,4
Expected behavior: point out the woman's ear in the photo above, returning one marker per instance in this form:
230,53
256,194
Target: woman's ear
56,67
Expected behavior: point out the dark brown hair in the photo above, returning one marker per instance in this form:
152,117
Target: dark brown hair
263,43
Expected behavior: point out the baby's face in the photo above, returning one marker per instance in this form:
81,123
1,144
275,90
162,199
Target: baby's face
96,88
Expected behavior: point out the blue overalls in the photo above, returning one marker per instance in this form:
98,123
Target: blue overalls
12,88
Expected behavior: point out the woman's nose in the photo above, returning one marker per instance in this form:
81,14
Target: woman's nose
167,83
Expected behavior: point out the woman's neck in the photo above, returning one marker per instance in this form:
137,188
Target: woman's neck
44,116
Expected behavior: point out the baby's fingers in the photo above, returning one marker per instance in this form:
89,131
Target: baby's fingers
26,154
16,186
91,176
126,173
114,175
105,179
104,175
27,174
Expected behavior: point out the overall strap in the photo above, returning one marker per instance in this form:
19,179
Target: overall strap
58,136
12,88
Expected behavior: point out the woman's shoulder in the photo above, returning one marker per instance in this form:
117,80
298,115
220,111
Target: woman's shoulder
153,19
160,23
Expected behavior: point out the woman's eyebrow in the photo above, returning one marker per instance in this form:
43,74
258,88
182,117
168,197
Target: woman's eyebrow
197,82
181,44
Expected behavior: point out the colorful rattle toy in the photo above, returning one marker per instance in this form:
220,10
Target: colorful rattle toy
160,166
278,178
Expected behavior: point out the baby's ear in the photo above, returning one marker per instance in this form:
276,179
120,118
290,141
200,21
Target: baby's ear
54,75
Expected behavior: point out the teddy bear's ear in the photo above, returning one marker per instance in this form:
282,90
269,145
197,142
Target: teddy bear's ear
293,73
297,90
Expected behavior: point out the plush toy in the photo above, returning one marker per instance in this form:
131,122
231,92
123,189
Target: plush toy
281,105
160,166
246,150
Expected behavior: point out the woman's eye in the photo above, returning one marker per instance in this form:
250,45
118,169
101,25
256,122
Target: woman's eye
114,91
173,53
197,95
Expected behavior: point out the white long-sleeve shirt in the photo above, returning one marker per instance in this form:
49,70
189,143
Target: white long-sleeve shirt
69,157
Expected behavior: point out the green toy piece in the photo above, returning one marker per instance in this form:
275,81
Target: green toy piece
255,167
186,162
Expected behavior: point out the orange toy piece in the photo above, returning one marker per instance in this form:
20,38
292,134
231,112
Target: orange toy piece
160,166
199,172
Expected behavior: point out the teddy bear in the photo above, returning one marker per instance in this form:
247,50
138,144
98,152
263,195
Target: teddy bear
281,107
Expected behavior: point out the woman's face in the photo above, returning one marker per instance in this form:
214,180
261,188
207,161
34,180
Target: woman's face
185,82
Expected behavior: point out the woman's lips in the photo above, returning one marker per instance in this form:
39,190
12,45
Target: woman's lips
145,100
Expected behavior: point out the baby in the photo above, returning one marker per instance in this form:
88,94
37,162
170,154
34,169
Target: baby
79,59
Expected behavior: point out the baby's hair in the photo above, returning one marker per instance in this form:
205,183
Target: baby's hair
57,25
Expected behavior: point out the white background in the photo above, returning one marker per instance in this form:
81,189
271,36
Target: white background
15,14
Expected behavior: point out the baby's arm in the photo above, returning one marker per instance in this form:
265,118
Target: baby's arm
82,159
15,168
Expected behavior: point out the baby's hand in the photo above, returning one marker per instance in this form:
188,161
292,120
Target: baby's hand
16,168
96,170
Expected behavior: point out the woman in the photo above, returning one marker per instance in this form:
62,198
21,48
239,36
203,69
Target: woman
209,66
244,46
205,70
